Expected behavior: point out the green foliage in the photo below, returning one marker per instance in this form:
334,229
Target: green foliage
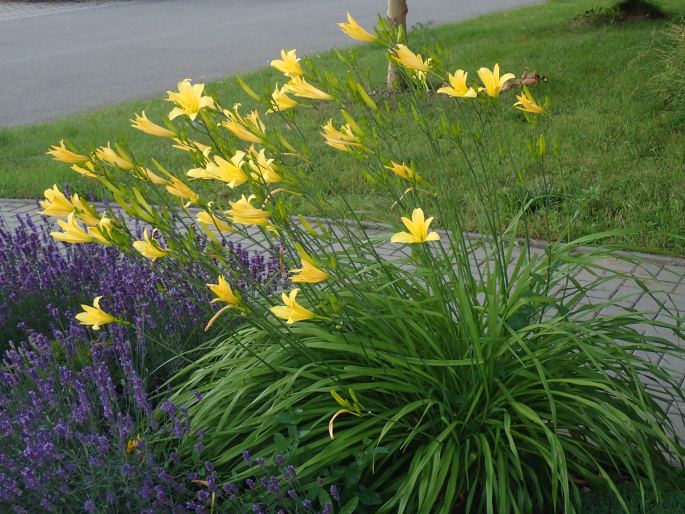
670,78
497,400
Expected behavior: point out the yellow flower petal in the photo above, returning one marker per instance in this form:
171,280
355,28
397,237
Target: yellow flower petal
189,100
55,203
280,100
527,103
492,82
353,30
308,273
72,232
300,87
289,64
94,316
458,87
292,311
109,156
150,248
244,213
142,123
60,153
417,228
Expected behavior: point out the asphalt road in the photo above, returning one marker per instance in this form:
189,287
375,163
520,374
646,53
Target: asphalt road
66,62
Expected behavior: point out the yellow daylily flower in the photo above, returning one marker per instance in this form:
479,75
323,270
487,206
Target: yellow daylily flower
280,100
142,123
223,292
87,170
94,316
55,204
85,211
192,146
353,30
230,172
201,173
101,231
353,407
308,273
263,167
132,445
289,64
111,157
527,103
300,87
189,100
181,190
331,422
402,170
249,128
411,61
153,177
343,139
458,87
61,153
71,231
418,230
244,213
150,248
209,221
291,311
492,82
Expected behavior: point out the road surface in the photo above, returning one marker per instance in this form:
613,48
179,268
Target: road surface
63,61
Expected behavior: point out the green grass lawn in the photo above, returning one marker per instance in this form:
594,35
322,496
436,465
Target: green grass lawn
672,501
619,164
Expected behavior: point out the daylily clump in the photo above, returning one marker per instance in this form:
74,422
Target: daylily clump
460,360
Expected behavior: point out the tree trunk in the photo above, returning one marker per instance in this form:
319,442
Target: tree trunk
397,17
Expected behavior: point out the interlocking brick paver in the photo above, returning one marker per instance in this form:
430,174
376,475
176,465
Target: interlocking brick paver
678,423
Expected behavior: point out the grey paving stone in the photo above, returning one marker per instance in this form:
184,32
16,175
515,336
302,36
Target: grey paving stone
675,365
658,301
613,264
647,269
678,424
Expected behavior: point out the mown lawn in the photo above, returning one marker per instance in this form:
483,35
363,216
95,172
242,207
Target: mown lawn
620,162
672,501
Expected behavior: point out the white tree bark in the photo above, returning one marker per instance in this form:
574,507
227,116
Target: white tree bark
397,16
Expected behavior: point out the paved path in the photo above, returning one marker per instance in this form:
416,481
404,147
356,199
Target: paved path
67,58
664,276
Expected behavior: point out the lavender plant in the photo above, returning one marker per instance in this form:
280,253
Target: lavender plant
43,283
78,432
267,487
